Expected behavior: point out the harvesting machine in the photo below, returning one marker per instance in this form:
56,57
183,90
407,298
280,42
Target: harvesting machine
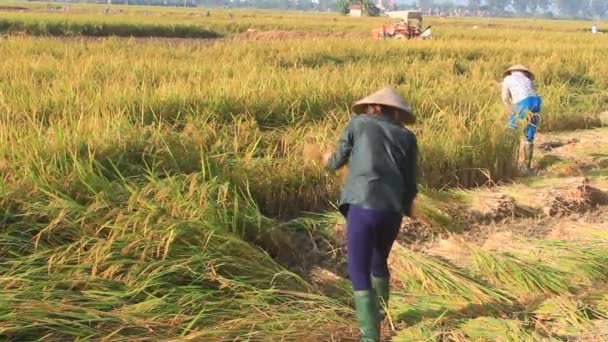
404,27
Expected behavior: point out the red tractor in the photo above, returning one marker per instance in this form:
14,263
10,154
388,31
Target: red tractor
403,29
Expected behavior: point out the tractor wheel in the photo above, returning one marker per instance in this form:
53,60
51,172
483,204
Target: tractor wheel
400,36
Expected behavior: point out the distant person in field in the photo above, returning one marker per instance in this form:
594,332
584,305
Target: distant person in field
594,29
380,188
523,103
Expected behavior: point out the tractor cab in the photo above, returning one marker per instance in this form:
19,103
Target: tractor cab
412,19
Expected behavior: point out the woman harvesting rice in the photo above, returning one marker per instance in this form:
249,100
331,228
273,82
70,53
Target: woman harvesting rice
380,188
522,102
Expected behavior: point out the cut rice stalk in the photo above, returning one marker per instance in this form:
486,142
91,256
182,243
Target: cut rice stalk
434,276
521,277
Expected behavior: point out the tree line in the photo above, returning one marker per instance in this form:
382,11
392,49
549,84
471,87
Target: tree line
304,5
569,8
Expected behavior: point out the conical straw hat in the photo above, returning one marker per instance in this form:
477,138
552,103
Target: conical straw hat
521,68
386,96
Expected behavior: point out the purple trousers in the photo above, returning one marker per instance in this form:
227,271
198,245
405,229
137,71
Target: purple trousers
370,236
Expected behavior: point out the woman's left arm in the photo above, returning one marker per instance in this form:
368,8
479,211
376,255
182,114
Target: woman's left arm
410,175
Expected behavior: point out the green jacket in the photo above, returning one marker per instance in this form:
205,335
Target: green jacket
381,158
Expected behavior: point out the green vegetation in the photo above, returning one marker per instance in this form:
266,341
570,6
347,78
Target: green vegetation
93,28
309,85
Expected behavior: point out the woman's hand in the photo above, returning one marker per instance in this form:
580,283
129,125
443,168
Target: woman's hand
327,157
413,210
508,108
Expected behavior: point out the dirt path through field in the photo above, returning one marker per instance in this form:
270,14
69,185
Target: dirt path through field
568,189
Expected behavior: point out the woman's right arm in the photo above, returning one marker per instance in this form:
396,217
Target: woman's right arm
506,97
343,149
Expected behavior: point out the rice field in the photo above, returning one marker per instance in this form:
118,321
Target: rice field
155,183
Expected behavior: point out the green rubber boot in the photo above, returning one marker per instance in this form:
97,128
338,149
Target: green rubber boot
382,288
529,153
367,315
